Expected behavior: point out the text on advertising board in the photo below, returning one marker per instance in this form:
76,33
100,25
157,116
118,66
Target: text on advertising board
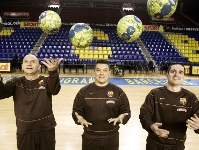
4,67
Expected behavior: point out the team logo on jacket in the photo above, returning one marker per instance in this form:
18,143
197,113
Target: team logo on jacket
183,101
110,94
41,84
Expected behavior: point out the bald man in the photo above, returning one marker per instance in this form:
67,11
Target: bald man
32,96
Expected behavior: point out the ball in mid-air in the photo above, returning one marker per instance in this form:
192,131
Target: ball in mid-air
129,28
1,24
161,9
81,35
49,22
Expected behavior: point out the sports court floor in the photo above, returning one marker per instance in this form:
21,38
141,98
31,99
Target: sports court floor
68,134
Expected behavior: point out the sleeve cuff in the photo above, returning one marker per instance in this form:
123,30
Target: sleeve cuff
196,131
54,72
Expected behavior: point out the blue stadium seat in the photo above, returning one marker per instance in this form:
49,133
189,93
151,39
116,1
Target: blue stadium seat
115,57
110,57
121,57
66,56
71,56
114,52
60,55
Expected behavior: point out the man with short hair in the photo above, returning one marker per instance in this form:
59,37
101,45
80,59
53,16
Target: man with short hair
168,111
100,107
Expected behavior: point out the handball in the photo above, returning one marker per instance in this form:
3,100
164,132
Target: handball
161,9
1,24
49,22
129,28
81,35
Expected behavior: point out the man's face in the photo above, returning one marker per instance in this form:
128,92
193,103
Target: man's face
30,64
102,74
176,75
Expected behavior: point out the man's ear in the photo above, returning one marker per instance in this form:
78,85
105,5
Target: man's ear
110,72
166,74
39,67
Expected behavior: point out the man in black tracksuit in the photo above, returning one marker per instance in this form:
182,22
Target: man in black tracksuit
168,111
100,107
32,96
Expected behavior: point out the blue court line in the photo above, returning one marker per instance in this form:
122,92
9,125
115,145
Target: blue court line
119,81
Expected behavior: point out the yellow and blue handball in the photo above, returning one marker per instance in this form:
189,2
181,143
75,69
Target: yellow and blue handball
1,24
49,22
161,9
81,35
129,28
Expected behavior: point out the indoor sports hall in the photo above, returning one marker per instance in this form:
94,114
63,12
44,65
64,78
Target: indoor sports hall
68,134
137,66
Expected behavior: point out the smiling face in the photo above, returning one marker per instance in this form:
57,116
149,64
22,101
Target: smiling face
175,75
102,74
30,65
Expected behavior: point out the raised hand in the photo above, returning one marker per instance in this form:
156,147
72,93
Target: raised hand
159,132
52,64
